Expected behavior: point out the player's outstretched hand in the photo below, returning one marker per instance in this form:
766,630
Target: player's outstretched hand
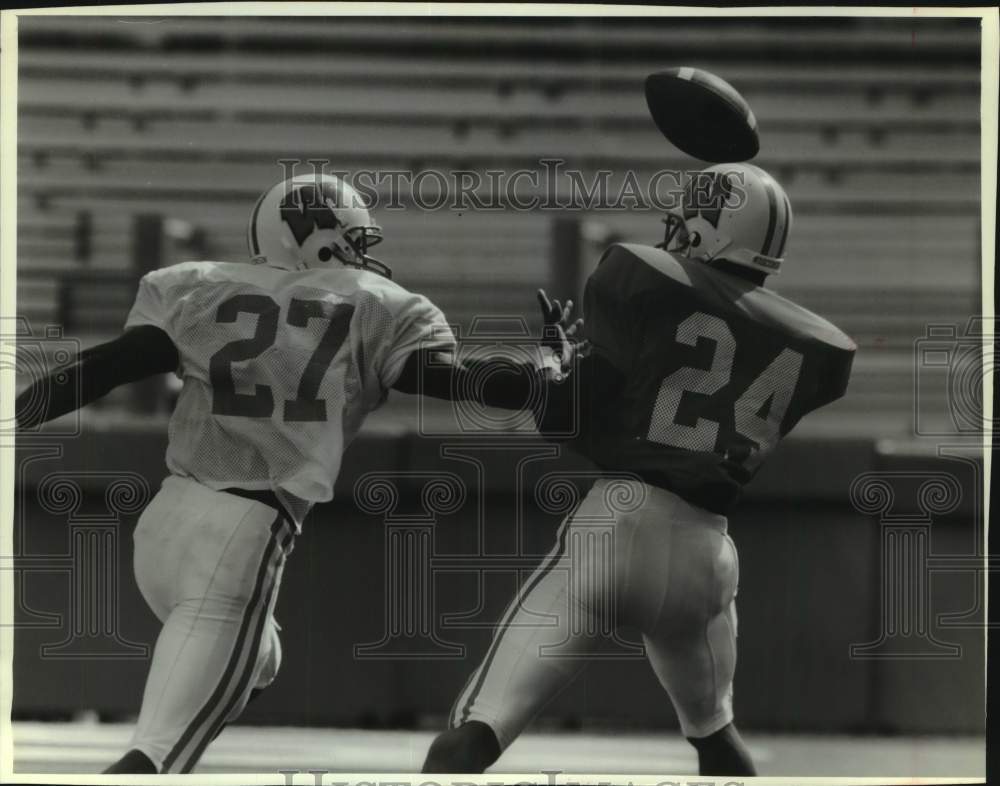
555,314
560,331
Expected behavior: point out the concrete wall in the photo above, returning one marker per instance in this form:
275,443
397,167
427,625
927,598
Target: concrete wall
810,588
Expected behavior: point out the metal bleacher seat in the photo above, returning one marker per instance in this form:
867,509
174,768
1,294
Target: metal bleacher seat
566,35
374,140
187,119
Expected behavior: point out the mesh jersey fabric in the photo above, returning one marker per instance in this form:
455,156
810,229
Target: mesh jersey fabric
279,367
716,371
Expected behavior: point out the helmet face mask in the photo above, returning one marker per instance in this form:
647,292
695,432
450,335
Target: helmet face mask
312,221
359,240
676,238
351,248
680,239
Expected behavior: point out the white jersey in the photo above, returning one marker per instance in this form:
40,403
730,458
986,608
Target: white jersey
280,367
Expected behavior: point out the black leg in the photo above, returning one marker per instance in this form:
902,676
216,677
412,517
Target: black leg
134,762
472,747
723,753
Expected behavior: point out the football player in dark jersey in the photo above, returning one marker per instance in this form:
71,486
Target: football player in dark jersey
695,372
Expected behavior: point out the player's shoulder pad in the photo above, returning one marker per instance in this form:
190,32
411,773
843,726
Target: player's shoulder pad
385,289
633,260
382,289
370,287
799,320
191,271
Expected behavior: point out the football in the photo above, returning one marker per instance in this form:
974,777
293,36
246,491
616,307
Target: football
702,115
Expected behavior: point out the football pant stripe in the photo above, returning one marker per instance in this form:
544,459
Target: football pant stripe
251,663
458,704
541,572
215,700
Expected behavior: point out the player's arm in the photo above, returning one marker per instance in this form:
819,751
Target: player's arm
492,381
603,362
495,381
138,353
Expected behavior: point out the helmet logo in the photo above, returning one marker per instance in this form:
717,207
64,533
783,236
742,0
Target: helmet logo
305,210
705,195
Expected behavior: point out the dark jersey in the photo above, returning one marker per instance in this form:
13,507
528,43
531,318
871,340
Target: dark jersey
713,372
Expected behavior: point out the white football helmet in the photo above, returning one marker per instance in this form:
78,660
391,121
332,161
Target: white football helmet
312,221
736,212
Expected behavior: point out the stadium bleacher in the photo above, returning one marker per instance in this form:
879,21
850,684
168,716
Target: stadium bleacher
187,118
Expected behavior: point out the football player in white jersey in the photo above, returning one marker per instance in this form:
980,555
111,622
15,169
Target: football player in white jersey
281,360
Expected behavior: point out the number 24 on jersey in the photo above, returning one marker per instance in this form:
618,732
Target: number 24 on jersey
775,383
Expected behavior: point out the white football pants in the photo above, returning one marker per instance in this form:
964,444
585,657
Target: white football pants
630,554
209,565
